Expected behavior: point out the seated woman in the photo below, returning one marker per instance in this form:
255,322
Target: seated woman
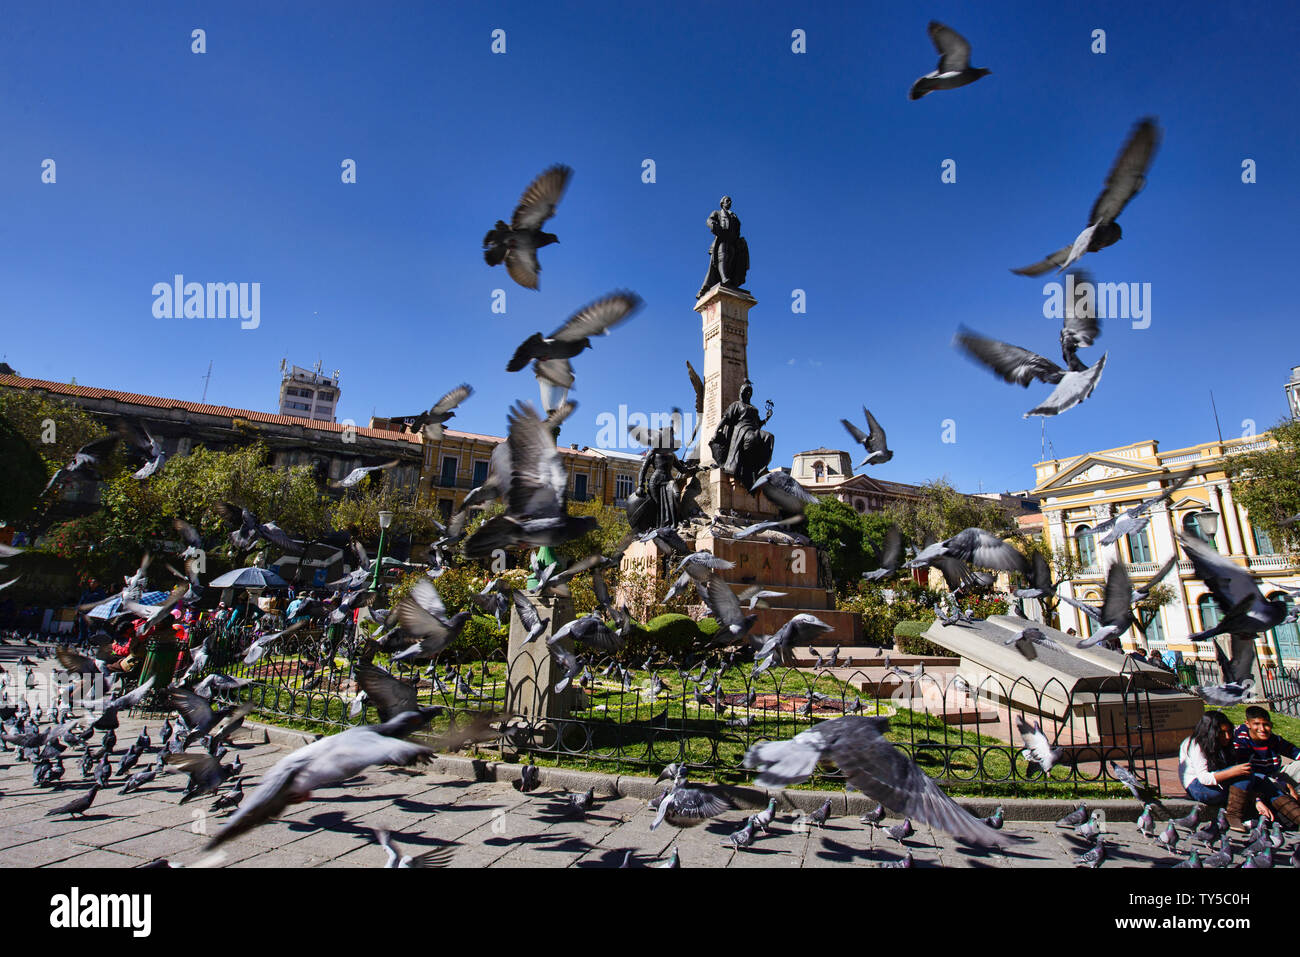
1203,761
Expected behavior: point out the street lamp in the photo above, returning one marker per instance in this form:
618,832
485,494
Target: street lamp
1207,523
385,519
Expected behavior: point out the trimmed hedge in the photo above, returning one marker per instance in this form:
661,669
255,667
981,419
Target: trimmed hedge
908,638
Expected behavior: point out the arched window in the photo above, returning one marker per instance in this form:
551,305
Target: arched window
1263,543
860,505
1087,546
819,470
1193,527
1139,546
1209,612
1286,638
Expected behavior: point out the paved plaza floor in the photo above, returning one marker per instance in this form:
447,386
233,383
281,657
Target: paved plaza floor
483,824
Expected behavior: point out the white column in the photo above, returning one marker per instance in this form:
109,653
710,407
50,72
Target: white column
1176,621
1230,506
1228,519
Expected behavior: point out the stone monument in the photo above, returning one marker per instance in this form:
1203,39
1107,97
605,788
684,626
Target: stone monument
734,452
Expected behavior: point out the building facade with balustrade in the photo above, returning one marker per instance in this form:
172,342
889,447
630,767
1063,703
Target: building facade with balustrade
1079,493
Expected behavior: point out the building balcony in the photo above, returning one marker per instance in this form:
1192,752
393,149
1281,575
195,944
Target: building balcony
1270,562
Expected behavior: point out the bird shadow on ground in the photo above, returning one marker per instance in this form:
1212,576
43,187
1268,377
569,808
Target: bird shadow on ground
508,841
755,849
410,804
833,850
87,817
329,821
984,853
612,858
571,845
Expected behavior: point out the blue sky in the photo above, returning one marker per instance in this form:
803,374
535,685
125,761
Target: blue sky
225,166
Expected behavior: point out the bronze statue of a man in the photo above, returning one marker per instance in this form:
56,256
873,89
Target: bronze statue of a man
740,445
729,253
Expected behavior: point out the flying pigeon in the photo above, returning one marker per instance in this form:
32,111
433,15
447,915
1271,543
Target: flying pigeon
872,765
517,243
551,354
878,452
1126,179
954,67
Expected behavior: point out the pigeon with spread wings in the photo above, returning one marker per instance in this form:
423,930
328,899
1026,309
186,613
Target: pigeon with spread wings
954,68
1021,367
550,355
873,766
517,243
1126,179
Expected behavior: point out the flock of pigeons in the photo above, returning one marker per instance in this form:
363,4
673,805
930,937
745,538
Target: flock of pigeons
1208,844
1126,179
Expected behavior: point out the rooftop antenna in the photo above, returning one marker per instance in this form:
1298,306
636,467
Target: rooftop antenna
1216,417
207,378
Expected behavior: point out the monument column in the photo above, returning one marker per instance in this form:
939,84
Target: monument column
725,316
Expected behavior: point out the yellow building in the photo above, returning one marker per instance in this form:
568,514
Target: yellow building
1078,493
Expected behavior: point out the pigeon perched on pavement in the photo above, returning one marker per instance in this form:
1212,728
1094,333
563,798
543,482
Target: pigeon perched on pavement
907,861
1145,823
78,806
742,838
954,69
1091,829
819,816
517,243
901,832
1169,837
1092,858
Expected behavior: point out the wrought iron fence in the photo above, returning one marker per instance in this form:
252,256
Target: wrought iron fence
1280,686
961,731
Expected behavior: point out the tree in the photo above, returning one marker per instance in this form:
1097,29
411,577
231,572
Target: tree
52,427
360,510
939,511
850,541
1267,484
24,474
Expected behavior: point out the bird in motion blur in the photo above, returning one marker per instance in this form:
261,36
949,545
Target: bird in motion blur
516,244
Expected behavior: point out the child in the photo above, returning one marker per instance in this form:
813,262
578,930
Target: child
1256,743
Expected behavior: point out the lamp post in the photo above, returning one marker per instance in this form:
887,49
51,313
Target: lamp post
1207,523
385,519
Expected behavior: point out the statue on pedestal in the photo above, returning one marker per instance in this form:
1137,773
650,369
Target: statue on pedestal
740,446
657,500
729,253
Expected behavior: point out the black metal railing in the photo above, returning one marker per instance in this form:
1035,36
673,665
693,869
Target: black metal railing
961,731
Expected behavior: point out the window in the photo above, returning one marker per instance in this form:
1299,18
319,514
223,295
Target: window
1209,612
1286,638
819,470
301,406
480,472
325,395
448,477
1083,538
1193,527
622,487
859,505
580,488
1155,633
1263,544
1139,547
444,509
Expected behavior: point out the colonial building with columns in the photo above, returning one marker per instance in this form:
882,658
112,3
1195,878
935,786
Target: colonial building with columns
1078,493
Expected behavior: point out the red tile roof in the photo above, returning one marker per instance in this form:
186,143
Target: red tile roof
219,411
252,415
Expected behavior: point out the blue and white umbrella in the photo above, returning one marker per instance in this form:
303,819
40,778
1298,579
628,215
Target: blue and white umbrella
252,577
113,606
